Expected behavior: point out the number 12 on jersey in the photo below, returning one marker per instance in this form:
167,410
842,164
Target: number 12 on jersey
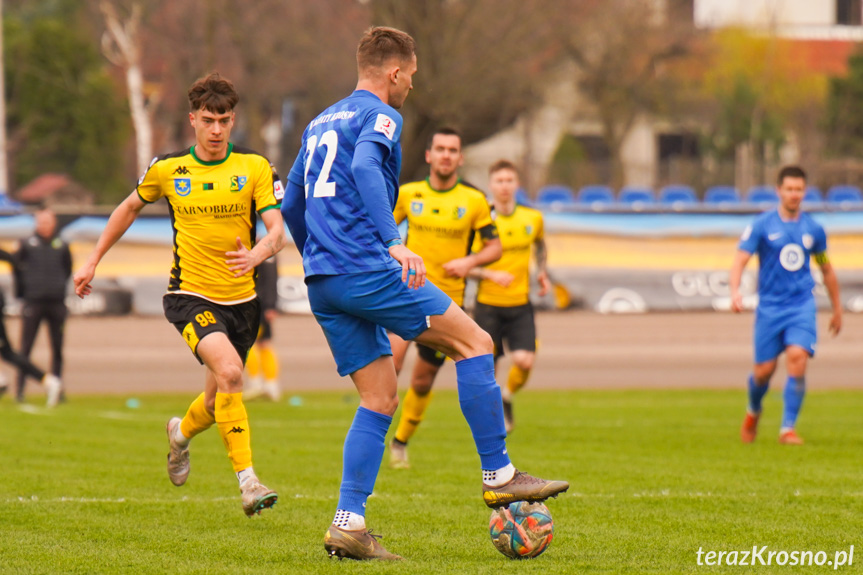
323,187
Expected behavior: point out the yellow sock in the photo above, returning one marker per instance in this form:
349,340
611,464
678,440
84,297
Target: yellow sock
197,418
233,425
517,378
253,362
269,363
413,410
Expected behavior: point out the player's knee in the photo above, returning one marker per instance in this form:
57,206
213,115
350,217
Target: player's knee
523,360
229,376
480,343
762,377
385,404
422,386
796,359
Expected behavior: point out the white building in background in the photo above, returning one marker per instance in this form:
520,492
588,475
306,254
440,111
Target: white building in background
809,19
533,139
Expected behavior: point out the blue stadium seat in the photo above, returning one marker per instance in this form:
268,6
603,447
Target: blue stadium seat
813,197
522,199
636,198
595,196
844,197
764,196
7,204
722,196
677,197
555,196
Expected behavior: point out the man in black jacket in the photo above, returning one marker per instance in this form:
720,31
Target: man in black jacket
43,266
53,385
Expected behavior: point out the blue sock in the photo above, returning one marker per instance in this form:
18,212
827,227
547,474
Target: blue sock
479,398
756,394
364,450
795,389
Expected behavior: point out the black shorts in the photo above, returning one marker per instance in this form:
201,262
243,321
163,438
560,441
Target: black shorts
194,317
430,355
515,325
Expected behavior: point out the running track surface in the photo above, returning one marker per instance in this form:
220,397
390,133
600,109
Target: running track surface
582,350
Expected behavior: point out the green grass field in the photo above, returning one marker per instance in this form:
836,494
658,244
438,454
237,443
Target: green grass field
655,476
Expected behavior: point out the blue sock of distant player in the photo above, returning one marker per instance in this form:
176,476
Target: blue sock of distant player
479,398
363,452
795,389
756,394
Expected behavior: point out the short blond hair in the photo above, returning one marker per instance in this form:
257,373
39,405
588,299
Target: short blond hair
380,44
502,165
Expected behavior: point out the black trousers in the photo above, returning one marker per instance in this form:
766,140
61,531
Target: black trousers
33,313
8,354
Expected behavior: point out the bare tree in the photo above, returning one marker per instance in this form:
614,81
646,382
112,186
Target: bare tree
121,46
479,62
621,48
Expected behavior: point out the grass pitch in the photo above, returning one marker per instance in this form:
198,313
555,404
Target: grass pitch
656,476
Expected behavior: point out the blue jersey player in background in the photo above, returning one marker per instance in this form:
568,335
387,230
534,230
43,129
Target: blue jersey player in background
784,239
362,281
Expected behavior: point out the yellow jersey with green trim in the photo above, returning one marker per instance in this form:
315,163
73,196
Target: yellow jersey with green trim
441,227
211,204
518,232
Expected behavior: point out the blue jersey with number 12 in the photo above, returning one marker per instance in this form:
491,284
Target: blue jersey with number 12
342,238
784,249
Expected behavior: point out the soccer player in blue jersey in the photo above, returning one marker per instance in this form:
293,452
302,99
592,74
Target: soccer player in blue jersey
784,240
362,281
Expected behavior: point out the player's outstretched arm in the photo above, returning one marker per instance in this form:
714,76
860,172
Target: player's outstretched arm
490,252
831,282
741,258
499,277
121,218
244,260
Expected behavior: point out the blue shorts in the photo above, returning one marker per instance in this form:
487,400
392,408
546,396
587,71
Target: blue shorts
777,328
356,310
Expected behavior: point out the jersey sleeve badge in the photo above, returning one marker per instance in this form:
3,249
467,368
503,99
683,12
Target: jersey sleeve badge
386,126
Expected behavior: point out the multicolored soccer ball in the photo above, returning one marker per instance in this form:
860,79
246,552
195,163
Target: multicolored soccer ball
522,530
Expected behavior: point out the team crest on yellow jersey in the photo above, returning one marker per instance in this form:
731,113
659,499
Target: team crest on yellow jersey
183,186
458,213
237,183
416,208
528,230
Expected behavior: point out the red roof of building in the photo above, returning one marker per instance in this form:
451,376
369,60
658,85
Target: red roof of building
824,56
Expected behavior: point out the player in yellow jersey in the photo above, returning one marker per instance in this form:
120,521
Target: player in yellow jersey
444,215
503,307
215,191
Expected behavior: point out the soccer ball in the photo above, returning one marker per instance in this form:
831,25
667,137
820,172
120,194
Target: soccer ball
522,530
